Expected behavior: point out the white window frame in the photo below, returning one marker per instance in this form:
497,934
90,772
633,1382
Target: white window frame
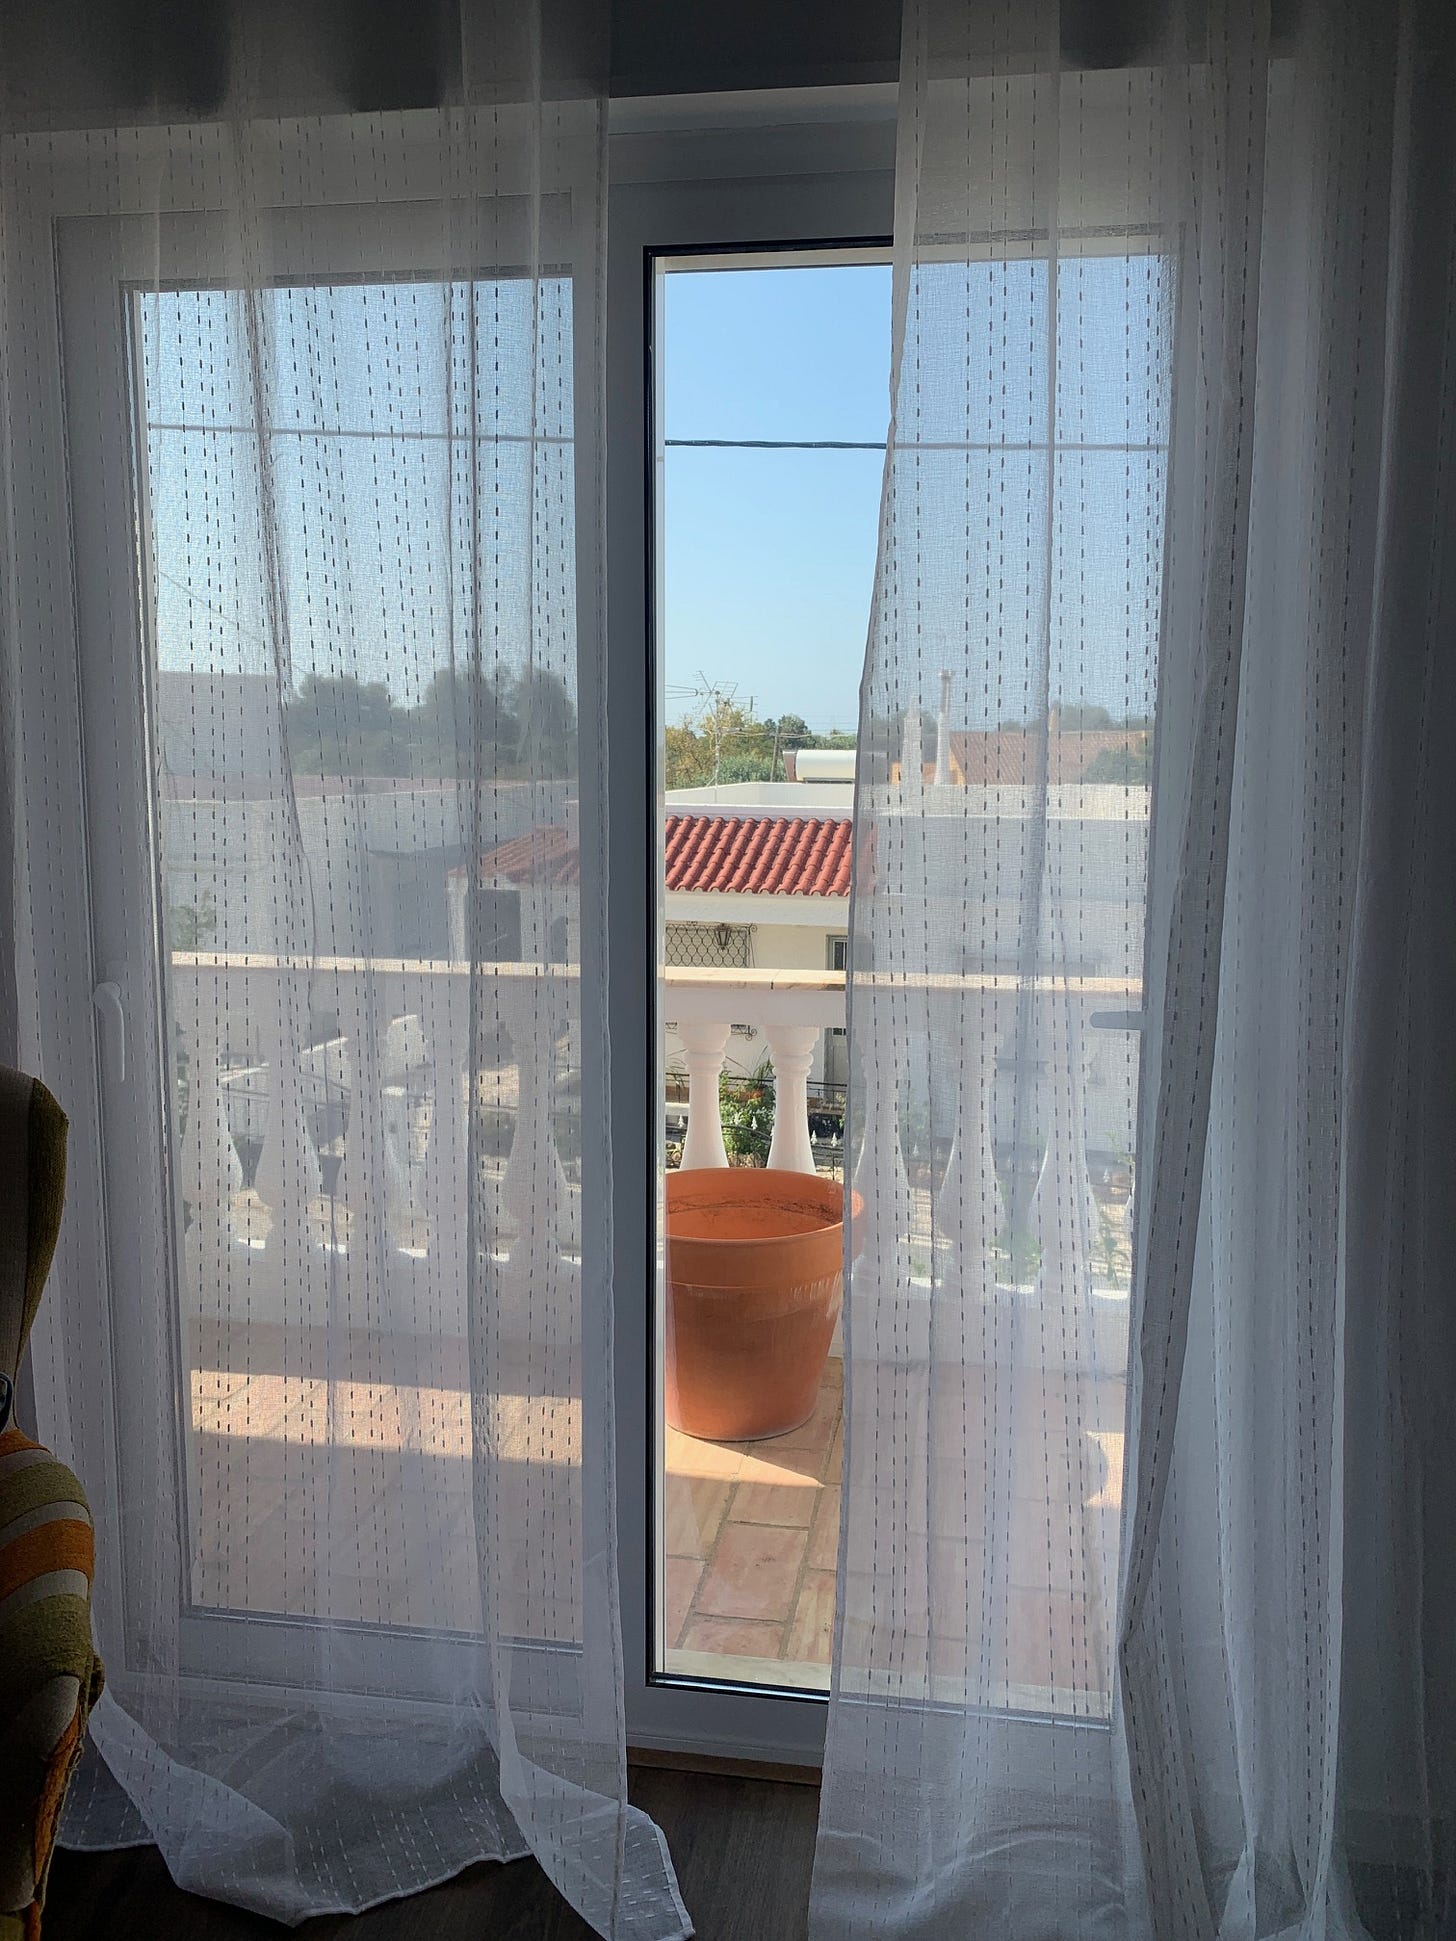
738,172
93,264
732,174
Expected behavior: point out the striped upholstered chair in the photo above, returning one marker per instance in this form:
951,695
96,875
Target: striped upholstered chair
49,1674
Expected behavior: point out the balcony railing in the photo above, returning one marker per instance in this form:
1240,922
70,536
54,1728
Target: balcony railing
290,1127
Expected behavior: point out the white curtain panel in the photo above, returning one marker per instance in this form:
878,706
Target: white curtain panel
1146,1570
332,627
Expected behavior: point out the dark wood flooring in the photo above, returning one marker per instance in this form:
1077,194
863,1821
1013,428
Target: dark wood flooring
743,1848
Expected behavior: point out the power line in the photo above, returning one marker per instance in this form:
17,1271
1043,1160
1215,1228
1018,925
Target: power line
776,444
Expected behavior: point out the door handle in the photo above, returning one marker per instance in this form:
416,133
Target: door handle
107,999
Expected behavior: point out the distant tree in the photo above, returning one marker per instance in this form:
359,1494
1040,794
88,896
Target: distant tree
340,725
686,762
748,765
790,731
722,741
193,925
544,716
1081,717
1126,765
463,710
500,723
1076,717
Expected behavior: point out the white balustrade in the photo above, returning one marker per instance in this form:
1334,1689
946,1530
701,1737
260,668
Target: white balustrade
534,1194
705,1045
404,1062
446,1185
792,1048
288,1180
971,1209
1064,1208
209,1171
398,1074
880,1178
364,1166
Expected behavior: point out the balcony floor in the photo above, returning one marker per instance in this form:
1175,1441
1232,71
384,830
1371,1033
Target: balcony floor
751,1533
331,1475
1014,1612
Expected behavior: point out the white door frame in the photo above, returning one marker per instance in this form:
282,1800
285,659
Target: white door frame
734,173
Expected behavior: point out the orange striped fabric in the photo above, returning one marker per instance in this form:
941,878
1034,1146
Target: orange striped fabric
49,1674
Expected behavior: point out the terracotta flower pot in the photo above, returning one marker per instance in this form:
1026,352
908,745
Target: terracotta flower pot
754,1279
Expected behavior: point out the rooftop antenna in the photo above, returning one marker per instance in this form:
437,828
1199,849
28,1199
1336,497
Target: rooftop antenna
942,732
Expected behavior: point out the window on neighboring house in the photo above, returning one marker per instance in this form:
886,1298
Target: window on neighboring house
723,946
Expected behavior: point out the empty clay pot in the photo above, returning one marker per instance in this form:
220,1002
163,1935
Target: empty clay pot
754,1278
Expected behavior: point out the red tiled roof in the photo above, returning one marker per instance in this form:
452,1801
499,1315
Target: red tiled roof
997,756
763,855
544,854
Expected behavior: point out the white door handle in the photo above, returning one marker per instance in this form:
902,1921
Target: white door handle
107,999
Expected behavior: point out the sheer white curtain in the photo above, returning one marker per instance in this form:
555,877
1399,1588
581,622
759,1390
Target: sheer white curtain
332,431
1144,1625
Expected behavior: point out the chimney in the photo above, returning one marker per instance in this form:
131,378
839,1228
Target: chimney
942,733
912,774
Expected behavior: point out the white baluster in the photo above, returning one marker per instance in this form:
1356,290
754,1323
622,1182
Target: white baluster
912,772
405,1056
444,1178
880,1168
363,1187
1064,1210
791,1047
704,1047
882,1187
209,1170
971,1211
288,1181
534,1196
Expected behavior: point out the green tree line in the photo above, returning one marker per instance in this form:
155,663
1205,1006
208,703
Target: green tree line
504,724
726,742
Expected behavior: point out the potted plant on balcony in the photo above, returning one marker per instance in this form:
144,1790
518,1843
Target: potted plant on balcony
746,1112
755,1262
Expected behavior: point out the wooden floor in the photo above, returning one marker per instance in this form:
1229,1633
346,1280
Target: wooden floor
743,1848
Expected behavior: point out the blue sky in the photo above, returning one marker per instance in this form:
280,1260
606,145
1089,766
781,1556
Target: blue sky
769,556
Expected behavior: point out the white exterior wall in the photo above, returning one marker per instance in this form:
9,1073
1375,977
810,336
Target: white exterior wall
229,851
777,945
765,798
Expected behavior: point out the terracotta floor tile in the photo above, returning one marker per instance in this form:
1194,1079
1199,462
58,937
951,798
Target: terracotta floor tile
732,1638
958,1589
816,1436
1109,1489
683,1574
890,1650
811,1630
1054,1640
692,1514
1055,1548
823,1553
754,1573
765,1462
687,1456
790,1504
